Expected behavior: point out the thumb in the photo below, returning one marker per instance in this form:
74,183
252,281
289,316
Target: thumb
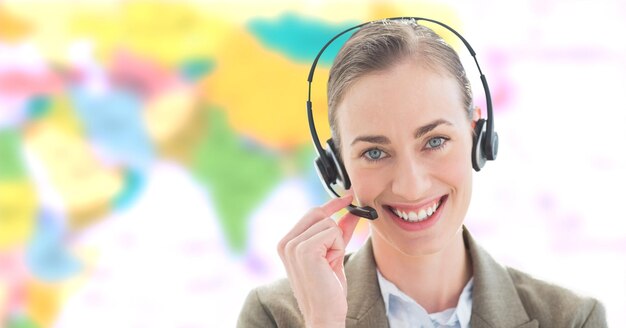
347,224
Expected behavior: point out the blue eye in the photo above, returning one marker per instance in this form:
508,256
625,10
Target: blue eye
436,142
374,154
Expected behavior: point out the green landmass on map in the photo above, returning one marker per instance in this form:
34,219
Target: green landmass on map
238,174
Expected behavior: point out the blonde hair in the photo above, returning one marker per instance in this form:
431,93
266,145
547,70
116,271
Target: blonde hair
381,44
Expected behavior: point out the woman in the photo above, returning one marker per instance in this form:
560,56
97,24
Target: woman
402,120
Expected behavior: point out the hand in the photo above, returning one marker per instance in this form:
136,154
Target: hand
312,253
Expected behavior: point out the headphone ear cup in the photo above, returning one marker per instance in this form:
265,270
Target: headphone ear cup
330,167
342,175
325,170
478,155
492,147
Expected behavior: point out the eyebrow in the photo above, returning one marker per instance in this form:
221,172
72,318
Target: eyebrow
419,132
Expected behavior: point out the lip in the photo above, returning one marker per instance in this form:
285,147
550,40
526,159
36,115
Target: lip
414,207
421,225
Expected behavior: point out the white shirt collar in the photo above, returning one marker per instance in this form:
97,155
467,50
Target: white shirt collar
400,308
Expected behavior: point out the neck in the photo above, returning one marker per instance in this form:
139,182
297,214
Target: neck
435,281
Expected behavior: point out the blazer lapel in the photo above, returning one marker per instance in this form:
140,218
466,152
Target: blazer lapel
366,307
495,302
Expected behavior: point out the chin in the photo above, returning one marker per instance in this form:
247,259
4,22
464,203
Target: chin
420,246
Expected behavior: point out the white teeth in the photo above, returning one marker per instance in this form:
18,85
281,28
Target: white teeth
419,216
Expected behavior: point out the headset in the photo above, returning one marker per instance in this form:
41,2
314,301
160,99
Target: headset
328,164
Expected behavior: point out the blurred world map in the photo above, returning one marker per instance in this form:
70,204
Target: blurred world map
153,153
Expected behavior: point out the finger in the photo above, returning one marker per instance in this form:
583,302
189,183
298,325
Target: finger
347,224
313,216
326,223
335,258
341,276
320,245
334,205
313,267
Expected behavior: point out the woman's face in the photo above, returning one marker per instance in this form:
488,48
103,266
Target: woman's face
406,142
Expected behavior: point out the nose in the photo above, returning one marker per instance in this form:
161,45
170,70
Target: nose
411,178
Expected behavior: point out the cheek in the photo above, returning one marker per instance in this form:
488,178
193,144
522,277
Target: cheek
456,172
457,166
367,184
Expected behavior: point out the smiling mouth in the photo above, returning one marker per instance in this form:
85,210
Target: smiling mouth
418,215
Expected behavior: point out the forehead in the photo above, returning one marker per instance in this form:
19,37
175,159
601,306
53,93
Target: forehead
405,94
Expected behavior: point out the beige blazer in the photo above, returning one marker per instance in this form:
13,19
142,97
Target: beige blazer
502,298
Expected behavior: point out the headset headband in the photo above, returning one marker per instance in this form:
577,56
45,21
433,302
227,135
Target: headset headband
490,139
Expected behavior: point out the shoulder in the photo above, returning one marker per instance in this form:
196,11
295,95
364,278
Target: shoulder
503,296
271,305
551,303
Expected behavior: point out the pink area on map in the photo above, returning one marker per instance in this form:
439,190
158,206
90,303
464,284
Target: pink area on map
23,84
144,75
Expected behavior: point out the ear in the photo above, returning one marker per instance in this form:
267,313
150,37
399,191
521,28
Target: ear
476,115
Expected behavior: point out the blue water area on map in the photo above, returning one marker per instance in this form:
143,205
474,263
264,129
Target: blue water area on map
299,37
114,122
46,253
